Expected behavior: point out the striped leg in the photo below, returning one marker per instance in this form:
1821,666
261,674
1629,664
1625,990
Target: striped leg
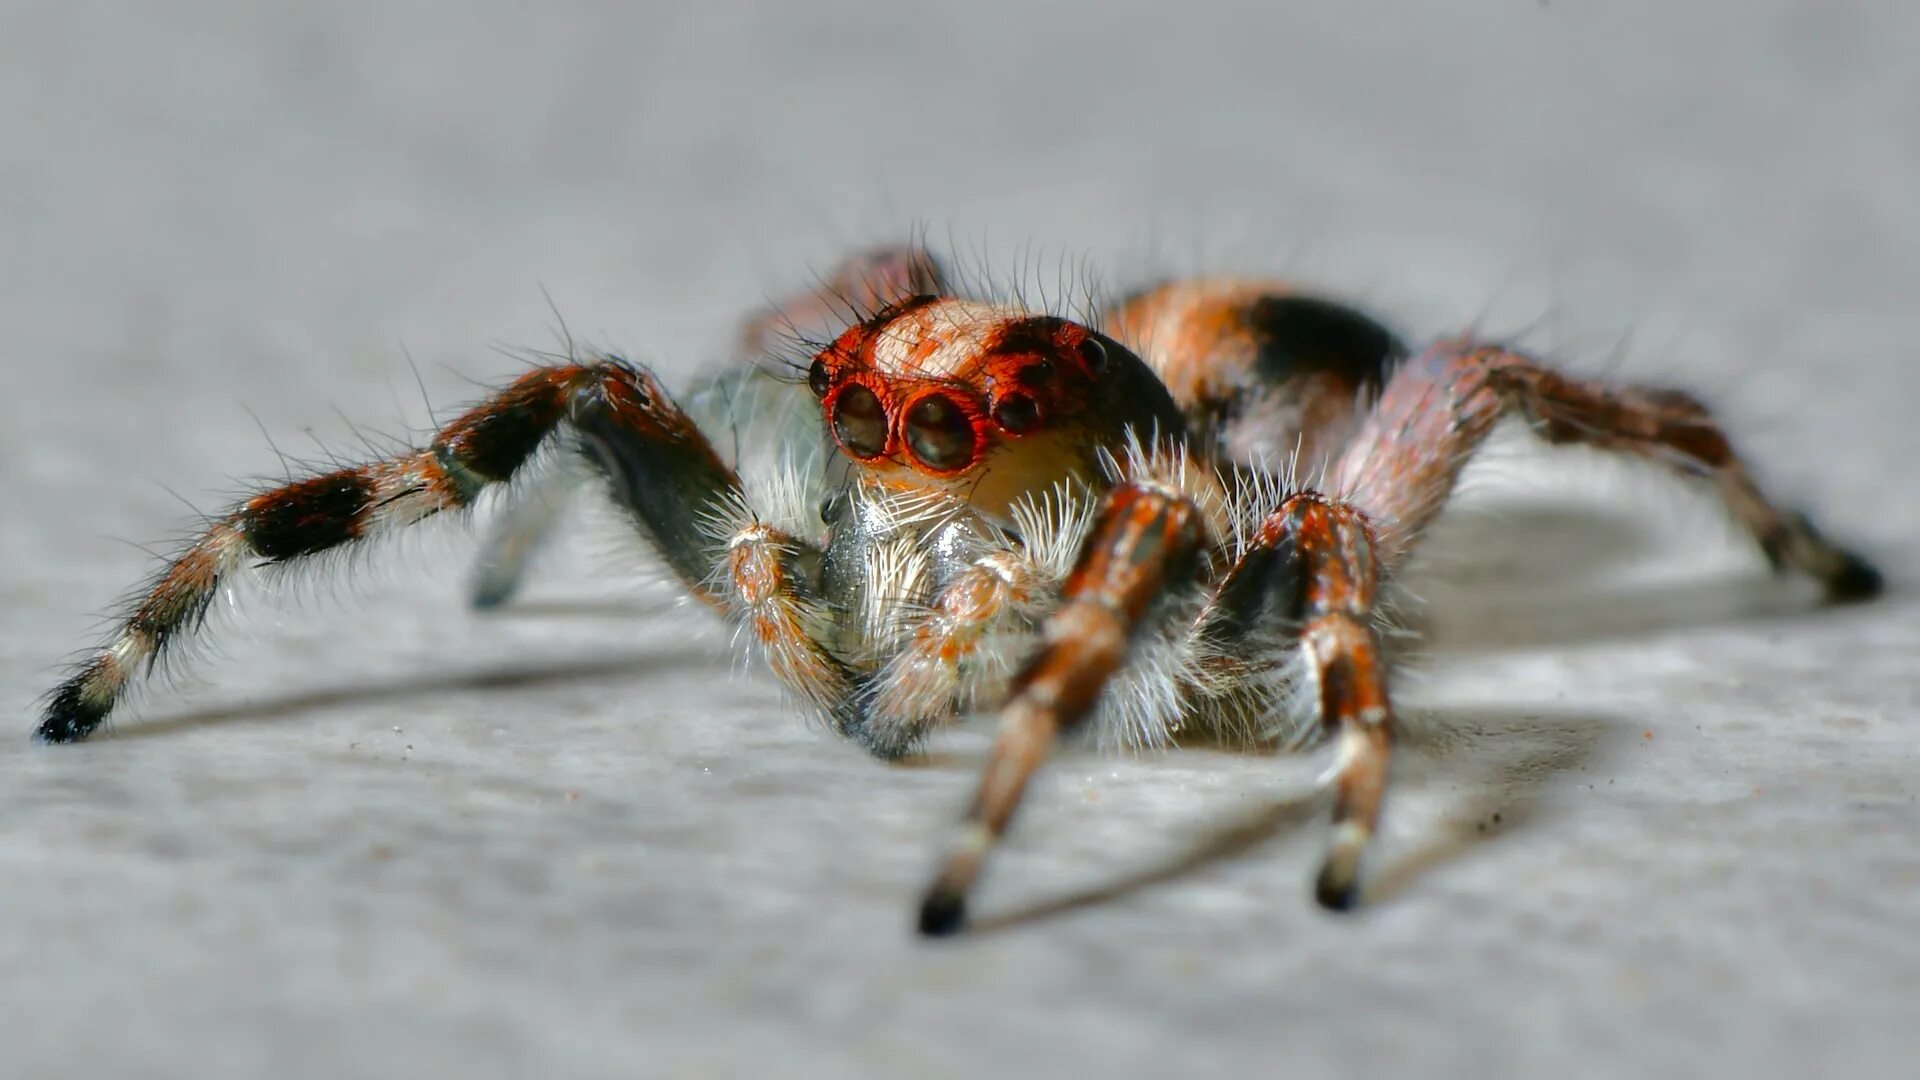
660,467
1440,406
1144,542
1309,575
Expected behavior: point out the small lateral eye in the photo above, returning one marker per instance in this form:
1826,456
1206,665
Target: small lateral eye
1035,375
1094,353
1017,414
939,433
860,422
819,379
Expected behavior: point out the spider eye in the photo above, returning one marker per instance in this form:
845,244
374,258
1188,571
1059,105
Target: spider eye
830,507
1017,414
1094,353
1035,375
939,433
860,422
819,379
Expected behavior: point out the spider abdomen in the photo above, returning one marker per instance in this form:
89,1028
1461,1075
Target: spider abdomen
1261,372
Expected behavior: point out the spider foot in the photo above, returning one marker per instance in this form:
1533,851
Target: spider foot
70,716
1338,886
1853,579
1848,577
886,741
943,912
491,590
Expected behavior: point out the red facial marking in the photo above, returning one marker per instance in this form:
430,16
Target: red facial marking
934,392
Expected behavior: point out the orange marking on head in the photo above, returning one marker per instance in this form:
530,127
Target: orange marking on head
931,392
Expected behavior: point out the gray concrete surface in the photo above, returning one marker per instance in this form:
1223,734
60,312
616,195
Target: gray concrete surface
1658,815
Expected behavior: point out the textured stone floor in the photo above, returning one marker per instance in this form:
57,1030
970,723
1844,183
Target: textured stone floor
1657,814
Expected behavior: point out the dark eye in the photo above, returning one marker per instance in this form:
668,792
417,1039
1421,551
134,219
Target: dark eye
1037,374
859,422
939,434
1094,353
819,379
1017,413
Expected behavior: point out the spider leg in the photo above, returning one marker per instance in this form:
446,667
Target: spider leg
661,471
525,524
1310,574
1440,405
1145,541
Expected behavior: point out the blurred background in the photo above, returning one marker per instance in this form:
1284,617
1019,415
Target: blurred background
1659,812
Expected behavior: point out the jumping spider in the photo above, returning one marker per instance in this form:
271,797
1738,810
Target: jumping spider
1077,527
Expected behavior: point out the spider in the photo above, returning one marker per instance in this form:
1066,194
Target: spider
1088,525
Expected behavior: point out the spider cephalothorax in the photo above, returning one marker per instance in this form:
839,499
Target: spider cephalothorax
1080,528
979,402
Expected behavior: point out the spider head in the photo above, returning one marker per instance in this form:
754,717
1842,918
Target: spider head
983,402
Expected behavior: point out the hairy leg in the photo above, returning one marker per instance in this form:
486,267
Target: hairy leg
1307,581
525,524
767,583
1441,405
660,468
1144,542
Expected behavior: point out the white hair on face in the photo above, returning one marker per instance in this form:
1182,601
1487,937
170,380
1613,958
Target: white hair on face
1053,525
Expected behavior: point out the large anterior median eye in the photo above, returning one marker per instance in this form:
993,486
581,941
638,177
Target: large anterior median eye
939,433
860,422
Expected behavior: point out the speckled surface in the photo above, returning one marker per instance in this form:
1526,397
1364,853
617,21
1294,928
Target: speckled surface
1658,812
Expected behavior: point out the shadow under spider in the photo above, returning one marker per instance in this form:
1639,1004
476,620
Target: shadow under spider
1502,760
1522,576
584,607
1244,834
507,676
1510,540
1508,758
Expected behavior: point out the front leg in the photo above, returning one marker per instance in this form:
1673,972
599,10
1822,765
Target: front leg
1309,575
661,471
1145,542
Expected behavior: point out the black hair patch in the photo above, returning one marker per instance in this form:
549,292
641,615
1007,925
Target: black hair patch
310,516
